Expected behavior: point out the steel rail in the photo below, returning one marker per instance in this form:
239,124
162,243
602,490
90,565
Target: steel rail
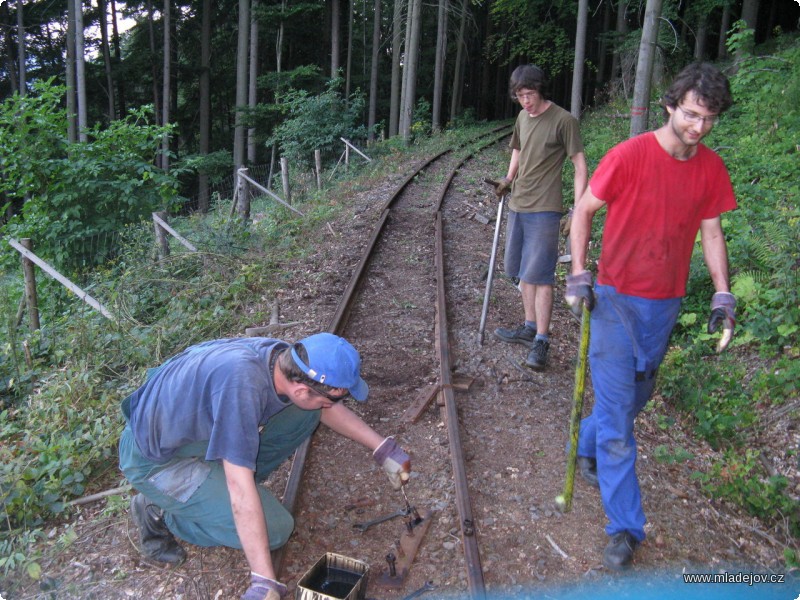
469,537
337,325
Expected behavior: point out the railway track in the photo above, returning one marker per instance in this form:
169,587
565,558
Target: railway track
402,270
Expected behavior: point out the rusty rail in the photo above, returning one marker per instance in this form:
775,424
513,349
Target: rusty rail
337,325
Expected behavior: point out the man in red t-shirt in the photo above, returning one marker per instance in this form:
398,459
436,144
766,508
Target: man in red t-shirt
659,189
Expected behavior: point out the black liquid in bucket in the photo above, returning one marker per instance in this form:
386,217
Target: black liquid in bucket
333,582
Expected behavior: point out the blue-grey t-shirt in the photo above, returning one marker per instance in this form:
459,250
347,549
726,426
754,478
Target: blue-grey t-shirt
220,391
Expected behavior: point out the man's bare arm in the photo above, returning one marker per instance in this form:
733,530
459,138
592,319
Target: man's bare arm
715,253
248,516
580,177
345,422
581,230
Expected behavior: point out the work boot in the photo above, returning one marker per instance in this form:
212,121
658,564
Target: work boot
588,469
618,554
521,335
157,542
537,357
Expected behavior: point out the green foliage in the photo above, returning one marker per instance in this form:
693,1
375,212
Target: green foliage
525,35
74,191
740,38
737,478
421,122
709,390
316,122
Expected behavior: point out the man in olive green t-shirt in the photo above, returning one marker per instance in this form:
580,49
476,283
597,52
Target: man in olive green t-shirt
544,136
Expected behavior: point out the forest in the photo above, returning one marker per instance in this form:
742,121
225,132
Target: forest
225,77
112,110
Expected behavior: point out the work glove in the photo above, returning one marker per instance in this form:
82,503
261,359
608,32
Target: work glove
579,291
264,588
395,462
723,307
566,223
503,187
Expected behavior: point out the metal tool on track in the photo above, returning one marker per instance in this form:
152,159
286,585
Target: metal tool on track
362,527
492,258
423,590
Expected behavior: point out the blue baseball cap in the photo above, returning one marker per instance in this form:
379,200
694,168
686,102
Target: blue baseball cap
333,361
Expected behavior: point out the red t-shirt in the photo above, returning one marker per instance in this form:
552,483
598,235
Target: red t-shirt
655,205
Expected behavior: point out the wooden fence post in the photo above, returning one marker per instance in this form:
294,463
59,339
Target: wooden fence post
318,165
31,298
243,191
346,157
161,237
285,179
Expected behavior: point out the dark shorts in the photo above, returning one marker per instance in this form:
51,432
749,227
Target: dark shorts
532,246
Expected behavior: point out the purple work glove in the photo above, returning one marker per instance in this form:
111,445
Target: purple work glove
723,312
579,291
503,187
264,588
395,462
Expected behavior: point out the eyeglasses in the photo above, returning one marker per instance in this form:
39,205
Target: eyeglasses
526,96
325,394
695,118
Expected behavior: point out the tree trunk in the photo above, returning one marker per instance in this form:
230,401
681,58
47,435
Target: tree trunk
750,16
117,61
580,56
23,88
410,82
166,89
700,39
602,58
373,74
241,85
725,24
80,73
438,69
397,37
8,55
640,110
750,13
458,70
205,103
103,19
622,30
279,40
72,108
153,64
251,93
334,38
349,67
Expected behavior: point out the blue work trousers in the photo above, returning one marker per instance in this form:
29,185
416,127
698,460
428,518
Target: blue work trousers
629,338
193,492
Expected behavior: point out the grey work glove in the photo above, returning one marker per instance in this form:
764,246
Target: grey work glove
503,187
395,462
723,312
579,292
264,588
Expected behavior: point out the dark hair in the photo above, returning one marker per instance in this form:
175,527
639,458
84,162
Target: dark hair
292,371
529,77
710,86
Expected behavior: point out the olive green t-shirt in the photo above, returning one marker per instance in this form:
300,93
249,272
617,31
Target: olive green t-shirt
544,142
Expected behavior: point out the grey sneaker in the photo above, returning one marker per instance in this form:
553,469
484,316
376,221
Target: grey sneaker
537,357
521,335
157,541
